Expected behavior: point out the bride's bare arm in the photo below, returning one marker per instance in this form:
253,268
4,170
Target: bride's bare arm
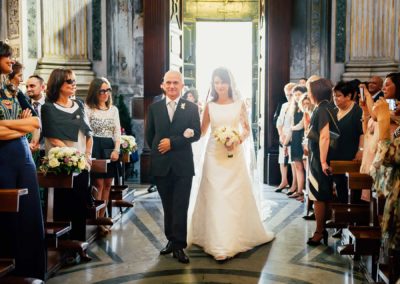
245,123
205,121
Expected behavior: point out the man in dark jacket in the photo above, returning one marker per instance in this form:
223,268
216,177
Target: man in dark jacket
172,125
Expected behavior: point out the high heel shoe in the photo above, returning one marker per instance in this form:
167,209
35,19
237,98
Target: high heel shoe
314,243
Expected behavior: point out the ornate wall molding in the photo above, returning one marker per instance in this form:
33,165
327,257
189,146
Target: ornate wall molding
374,38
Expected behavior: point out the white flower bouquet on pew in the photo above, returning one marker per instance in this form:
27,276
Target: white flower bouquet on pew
128,144
63,160
227,136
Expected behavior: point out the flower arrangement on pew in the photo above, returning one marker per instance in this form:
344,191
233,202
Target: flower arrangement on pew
63,160
128,144
227,136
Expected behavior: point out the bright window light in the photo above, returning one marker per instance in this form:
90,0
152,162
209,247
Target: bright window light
227,44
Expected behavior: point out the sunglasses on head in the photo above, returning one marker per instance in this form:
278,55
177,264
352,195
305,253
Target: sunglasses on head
104,91
70,81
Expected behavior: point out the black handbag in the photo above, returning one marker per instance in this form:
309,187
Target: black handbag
333,135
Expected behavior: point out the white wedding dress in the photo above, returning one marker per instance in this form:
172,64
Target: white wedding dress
226,219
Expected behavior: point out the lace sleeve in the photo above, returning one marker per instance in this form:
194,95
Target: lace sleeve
244,121
117,129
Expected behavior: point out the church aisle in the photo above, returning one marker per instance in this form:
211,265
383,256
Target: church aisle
130,254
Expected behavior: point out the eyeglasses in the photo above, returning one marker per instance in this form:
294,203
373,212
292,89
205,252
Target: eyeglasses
70,81
104,91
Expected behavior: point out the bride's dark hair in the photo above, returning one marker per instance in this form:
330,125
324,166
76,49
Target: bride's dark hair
225,77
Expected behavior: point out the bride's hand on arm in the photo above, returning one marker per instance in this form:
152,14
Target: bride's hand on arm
205,121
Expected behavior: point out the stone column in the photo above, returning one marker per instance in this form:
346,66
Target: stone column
65,40
373,38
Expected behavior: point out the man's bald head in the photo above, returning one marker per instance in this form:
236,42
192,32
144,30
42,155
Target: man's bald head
375,84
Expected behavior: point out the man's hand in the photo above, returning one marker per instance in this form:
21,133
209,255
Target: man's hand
164,146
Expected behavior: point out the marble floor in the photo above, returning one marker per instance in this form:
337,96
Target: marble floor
130,254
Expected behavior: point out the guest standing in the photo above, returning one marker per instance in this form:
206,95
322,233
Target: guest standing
322,121
24,240
104,120
65,124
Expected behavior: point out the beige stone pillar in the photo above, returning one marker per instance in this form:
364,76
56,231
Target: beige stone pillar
65,40
372,38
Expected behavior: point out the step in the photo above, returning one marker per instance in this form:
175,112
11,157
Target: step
100,221
118,192
346,249
6,265
54,230
122,203
366,240
93,211
351,213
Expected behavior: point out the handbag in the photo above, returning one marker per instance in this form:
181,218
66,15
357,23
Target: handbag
333,135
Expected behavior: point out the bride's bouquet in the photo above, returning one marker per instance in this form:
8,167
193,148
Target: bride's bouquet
227,136
63,160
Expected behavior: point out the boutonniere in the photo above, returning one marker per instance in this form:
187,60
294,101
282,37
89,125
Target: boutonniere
183,105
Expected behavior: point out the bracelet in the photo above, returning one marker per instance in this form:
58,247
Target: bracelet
88,154
116,150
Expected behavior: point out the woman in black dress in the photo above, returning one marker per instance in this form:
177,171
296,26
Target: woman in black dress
349,122
24,240
296,149
322,120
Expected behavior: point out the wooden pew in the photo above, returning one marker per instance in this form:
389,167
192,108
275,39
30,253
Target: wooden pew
9,203
56,231
98,166
343,215
363,240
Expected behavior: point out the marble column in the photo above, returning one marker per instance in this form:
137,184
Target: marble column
65,40
372,38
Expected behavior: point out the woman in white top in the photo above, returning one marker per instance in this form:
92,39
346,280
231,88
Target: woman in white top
104,120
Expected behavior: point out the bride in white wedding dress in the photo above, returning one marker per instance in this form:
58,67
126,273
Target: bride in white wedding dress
226,218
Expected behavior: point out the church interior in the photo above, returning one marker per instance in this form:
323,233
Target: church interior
266,44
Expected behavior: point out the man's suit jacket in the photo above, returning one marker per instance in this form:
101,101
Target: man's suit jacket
378,95
158,126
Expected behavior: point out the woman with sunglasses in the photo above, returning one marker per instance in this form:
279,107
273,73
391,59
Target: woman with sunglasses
65,124
22,234
104,120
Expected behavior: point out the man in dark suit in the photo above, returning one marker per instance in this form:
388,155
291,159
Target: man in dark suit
172,125
375,85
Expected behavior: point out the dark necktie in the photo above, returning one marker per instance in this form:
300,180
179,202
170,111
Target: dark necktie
36,107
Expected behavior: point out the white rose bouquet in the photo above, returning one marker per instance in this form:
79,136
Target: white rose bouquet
128,144
63,160
227,136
